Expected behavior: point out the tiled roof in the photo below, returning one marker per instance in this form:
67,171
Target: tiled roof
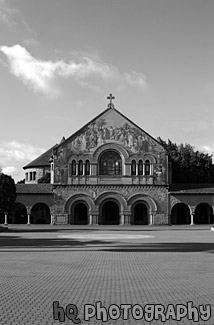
192,188
40,188
41,161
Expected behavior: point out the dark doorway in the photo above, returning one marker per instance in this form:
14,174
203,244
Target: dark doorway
140,214
20,214
203,214
180,215
80,214
40,214
2,217
110,213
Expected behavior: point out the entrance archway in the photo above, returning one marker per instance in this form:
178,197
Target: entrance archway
203,214
20,214
2,217
139,214
80,213
110,213
40,214
180,214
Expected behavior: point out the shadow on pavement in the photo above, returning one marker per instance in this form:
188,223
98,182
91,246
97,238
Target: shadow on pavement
100,228
165,247
15,242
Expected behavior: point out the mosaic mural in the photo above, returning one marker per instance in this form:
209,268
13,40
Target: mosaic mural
112,128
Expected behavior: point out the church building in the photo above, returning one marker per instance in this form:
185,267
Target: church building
110,172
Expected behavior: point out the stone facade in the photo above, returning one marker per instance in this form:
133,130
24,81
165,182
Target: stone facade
155,199
110,172
110,160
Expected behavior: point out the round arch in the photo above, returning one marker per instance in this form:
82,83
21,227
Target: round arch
79,213
203,214
150,202
140,213
112,196
111,146
110,163
151,158
79,197
109,212
40,214
20,213
180,214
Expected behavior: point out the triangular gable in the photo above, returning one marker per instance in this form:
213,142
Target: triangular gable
42,161
111,127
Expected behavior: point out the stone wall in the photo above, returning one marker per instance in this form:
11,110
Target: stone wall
155,197
192,200
29,200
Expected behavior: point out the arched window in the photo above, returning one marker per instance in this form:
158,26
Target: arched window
34,176
73,168
31,176
147,167
80,168
87,167
133,170
110,164
140,167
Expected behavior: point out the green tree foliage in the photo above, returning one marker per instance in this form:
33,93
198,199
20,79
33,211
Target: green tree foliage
7,193
189,165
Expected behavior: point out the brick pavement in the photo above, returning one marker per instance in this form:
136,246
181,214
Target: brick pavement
82,266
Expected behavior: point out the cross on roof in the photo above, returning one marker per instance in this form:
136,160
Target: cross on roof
111,97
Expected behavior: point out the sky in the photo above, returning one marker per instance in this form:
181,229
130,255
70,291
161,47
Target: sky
59,60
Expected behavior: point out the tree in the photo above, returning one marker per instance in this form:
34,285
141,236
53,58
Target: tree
7,193
189,165
45,179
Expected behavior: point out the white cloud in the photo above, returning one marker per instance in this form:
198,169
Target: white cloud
15,155
40,75
31,42
7,14
19,152
209,150
34,73
136,79
10,170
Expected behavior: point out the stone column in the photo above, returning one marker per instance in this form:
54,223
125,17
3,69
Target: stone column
143,169
5,218
212,216
122,220
28,219
90,219
77,164
151,169
151,221
94,219
127,219
137,169
192,219
52,219
83,168
93,169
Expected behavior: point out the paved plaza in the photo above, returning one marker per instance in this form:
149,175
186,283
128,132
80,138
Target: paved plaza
73,265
